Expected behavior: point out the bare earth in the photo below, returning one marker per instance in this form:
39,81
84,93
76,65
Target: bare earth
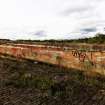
17,86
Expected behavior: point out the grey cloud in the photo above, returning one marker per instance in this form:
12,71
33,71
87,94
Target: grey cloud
40,33
88,30
78,9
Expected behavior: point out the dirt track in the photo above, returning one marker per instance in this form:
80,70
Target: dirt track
80,89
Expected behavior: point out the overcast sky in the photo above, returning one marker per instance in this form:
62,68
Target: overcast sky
51,19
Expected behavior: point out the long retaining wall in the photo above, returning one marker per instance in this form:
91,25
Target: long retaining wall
83,57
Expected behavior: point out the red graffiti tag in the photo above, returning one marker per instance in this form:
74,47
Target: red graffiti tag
81,55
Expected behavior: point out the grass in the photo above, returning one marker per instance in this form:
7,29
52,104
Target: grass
43,83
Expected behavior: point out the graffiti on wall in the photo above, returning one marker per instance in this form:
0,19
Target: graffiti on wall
81,55
88,60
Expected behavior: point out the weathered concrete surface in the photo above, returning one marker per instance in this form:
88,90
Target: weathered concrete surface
83,57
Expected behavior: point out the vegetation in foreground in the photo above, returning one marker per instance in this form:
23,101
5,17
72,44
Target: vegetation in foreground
31,83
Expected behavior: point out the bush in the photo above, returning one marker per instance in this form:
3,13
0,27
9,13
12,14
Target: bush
27,80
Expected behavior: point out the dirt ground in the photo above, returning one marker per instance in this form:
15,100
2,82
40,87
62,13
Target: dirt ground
31,83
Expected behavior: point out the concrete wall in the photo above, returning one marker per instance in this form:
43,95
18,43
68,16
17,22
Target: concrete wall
84,57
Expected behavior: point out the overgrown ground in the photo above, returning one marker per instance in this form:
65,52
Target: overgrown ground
30,83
